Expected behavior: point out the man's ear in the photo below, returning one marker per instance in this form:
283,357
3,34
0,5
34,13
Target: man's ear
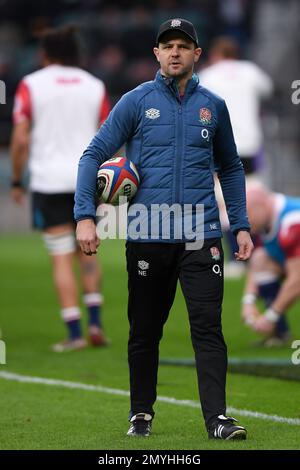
156,53
198,53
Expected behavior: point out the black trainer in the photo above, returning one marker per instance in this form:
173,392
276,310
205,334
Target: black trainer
140,425
224,428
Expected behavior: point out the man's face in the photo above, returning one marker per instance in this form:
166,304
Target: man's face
177,55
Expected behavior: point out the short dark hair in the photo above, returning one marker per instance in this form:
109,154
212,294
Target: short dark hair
227,47
61,45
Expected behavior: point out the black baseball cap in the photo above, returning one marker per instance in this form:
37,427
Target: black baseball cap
178,24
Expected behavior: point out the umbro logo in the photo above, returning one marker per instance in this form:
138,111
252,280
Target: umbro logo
152,113
143,267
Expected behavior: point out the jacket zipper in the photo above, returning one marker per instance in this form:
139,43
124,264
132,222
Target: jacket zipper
179,141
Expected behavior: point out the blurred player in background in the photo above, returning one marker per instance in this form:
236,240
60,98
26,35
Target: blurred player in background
274,274
243,85
57,111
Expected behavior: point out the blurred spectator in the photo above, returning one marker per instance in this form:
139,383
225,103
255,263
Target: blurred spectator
236,18
139,35
109,65
140,70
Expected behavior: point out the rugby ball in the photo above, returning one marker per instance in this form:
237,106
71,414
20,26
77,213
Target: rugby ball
117,177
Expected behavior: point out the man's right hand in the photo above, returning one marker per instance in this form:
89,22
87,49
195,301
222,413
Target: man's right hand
250,313
18,196
87,237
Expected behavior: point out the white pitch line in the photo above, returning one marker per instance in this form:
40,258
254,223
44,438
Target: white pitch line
115,391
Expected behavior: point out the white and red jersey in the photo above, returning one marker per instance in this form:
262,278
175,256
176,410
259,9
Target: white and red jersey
283,240
242,84
65,106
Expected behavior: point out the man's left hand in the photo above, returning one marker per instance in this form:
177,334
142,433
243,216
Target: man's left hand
245,246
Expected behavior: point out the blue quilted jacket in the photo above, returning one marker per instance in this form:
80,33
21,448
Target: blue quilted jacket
176,143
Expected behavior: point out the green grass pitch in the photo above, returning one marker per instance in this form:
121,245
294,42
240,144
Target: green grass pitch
37,416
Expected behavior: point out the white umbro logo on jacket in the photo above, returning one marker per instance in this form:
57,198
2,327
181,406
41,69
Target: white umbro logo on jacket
152,113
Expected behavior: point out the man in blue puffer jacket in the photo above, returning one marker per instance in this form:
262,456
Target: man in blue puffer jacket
177,133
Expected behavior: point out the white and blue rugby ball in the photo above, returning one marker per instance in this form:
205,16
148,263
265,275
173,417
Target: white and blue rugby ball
117,177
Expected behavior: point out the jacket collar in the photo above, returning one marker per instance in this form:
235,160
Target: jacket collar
170,83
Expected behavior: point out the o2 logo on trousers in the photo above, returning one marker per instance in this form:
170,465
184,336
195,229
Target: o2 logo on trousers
217,269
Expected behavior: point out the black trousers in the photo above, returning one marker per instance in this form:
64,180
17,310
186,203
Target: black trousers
153,272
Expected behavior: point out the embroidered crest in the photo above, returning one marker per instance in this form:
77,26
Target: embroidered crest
205,116
152,113
175,23
215,253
